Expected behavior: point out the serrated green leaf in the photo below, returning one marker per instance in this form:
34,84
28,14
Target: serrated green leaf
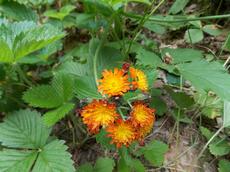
6,54
26,37
23,129
154,152
220,148
54,116
207,76
50,96
63,86
181,55
73,68
54,157
61,14
224,166
17,11
16,160
86,88
35,39
104,165
193,35
43,96
178,6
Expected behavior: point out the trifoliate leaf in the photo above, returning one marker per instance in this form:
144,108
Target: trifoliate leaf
54,157
23,129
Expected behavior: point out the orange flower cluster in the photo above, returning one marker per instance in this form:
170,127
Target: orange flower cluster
103,113
117,83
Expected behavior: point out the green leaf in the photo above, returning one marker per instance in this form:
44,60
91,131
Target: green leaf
178,6
181,99
206,132
87,167
23,129
17,11
63,86
54,157
51,96
55,115
86,88
212,30
158,104
104,165
105,141
147,58
44,96
207,76
155,27
219,148
123,166
74,68
137,165
181,55
25,37
35,39
6,54
224,166
226,120
16,160
61,14
179,115
154,152
193,35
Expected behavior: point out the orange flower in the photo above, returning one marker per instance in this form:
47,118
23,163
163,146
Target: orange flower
143,131
141,115
98,113
114,83
139,79
122,133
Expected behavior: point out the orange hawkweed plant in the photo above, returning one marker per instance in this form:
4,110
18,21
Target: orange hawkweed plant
122,129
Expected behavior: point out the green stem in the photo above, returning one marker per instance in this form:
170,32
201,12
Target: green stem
121,113
142,22
178,20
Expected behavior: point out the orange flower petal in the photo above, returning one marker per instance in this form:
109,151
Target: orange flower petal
141,115
114,83
122,133
99,113
139,79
